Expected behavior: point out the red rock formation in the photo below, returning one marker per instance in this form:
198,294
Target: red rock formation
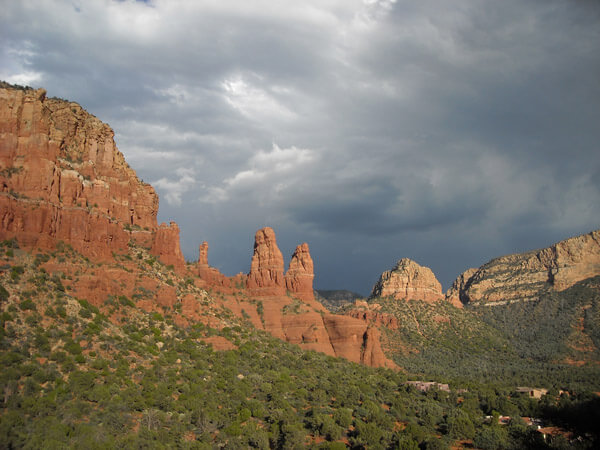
354,340
211,276
372,354
308,331
203,255
166,245
408,280
63,179
266,270
375,318
300,274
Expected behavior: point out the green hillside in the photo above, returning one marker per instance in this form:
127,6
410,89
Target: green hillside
552,342
560,331
79,376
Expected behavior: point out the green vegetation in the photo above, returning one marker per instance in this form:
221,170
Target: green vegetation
536,343
76,375
559,325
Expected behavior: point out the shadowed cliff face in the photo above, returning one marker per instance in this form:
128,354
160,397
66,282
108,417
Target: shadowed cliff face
520,277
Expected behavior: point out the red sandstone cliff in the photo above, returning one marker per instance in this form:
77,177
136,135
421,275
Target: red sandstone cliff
63,179
166,246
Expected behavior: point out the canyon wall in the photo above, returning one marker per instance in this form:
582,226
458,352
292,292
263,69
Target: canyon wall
63,179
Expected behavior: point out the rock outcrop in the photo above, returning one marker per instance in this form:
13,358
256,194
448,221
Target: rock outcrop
166,246
266,270
520,277
374,317
63,179
211,276
408,280
453,294
296,318
300,274
355,340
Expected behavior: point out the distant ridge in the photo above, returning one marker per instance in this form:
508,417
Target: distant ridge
334,299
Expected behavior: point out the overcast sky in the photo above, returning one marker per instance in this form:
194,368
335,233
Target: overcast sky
446,132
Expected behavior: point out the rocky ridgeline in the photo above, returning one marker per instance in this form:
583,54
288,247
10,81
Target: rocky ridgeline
518,277
63,180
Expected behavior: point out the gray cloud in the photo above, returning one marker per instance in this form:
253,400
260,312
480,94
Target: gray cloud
446,132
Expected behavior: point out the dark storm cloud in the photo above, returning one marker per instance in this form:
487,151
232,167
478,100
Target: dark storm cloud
448,132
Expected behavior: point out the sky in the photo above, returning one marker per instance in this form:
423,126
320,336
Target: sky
446,132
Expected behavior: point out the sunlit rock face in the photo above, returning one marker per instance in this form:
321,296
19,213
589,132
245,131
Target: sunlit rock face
409,281
62,178
521,276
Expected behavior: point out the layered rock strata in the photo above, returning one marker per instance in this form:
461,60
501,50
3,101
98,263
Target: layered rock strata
520,277
408,280
63,179
266,270
166,246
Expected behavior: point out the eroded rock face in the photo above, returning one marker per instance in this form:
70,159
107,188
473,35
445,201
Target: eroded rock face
374,317
520,277
453,295
408,280
355,340
300,274
203,255
166,245
63,179
266,270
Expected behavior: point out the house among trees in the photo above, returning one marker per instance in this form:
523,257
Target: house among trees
424,386
532,392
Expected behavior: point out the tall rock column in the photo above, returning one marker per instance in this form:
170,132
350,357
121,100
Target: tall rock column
300,274
266,270
211,275
166,245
